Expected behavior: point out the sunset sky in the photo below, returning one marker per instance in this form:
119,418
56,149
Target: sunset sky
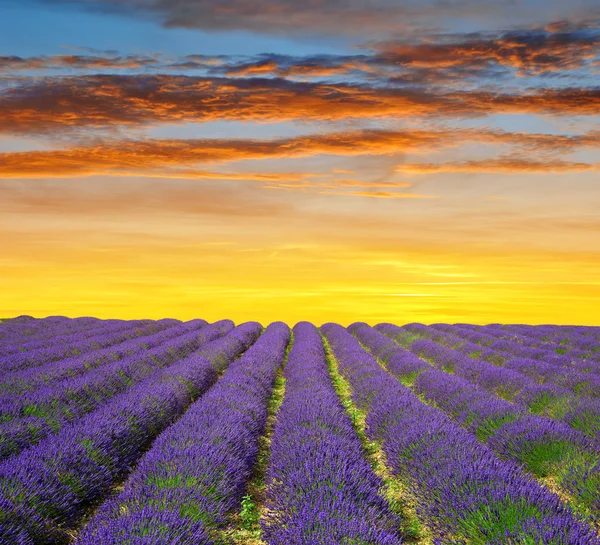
322,160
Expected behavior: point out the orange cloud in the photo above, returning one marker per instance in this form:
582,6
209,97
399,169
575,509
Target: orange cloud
253,69
181,158
314,70
388,195
159,155
372,189
291,67
103,101
529,51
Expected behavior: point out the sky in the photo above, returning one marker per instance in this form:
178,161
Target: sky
321,160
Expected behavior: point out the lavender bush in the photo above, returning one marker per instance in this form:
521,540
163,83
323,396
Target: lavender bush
47,488
463,489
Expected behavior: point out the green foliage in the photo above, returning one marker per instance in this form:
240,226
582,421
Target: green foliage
542,458
249,515
40,411
393,491
409,379
489,427
490,522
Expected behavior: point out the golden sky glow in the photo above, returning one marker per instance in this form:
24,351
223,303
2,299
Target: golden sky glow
409,174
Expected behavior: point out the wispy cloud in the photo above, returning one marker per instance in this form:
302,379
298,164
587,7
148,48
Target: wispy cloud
509,165
175,158
16,63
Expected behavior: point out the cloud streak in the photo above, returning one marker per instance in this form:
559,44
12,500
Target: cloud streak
504,165
557,49
15,63
149,156
105,101
196,159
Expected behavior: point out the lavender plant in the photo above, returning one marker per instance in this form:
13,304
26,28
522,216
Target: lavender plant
320,488
464,491
46,489
545,447
197,470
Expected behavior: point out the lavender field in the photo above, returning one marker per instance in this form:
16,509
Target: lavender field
145,432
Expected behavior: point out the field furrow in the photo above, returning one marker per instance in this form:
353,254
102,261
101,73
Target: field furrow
320,487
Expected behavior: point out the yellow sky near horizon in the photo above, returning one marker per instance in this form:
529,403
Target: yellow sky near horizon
236,250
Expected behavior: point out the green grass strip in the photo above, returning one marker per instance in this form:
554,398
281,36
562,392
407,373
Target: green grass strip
394,491
244,526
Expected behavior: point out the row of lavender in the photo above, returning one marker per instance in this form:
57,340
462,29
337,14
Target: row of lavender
79,343
17,331
521,342
462,489
196,471
320,488
517,342
67,339
546,448
581,377
521,386
46,489
26,380
580,341
78,389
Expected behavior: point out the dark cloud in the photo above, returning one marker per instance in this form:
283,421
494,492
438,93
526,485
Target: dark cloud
529,52
559,47
338,17
76,62
476,59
